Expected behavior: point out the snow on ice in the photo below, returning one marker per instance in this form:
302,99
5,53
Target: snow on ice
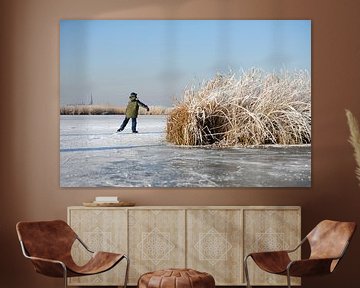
92,154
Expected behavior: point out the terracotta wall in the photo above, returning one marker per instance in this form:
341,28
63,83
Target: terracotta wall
29,106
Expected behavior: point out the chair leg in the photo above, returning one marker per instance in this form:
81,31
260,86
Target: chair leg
246,272
65,275
288,278
127,271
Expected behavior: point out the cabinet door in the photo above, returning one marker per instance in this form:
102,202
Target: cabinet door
214,244
101,230
156,240
269,230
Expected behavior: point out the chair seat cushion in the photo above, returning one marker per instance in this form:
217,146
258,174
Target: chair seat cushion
176,278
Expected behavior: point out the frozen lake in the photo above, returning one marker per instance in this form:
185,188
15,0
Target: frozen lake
93,155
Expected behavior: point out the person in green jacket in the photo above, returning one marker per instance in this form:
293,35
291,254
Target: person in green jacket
132,111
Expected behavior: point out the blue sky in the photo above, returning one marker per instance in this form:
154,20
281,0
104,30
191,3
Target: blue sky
158,58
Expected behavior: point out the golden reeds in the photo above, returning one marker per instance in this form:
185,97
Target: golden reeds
354,140
252,109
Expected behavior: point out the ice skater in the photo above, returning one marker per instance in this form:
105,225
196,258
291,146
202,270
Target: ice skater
132,111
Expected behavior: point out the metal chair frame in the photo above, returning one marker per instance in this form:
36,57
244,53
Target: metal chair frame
288,276
23,249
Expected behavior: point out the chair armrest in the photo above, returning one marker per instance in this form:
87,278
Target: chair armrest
48,267
84,245
45,260
298,246
309,267
281,251
268,253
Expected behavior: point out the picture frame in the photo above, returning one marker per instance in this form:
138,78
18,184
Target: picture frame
217,103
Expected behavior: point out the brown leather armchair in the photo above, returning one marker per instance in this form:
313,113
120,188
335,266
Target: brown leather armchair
328,242
48,245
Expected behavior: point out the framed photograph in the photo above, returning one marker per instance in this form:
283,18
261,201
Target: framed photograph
185,103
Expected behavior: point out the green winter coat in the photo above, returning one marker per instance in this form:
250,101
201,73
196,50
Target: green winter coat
132,109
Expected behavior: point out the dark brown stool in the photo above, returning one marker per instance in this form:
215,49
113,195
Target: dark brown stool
176,278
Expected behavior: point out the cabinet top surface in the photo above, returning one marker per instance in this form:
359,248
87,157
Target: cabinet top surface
192,207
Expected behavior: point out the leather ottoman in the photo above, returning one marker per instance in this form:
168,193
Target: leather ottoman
176,278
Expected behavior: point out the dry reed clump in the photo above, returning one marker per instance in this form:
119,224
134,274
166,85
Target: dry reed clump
252,109
354,140
108,110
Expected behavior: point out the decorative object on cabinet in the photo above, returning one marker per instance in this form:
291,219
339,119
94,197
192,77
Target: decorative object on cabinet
204,238
176,278
108,201
48,245
109,204
328,242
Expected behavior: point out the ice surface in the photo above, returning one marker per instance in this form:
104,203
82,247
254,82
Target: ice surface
92,154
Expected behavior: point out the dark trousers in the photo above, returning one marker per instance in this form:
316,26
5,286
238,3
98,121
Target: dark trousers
133,124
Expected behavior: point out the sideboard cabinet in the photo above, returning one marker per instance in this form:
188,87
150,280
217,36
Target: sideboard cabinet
211,239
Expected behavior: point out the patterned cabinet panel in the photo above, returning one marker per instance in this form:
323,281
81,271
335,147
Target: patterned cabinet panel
101,230
156,240
209,239
214,244
271,229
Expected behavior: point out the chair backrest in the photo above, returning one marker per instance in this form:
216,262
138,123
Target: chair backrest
329,239
46,239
